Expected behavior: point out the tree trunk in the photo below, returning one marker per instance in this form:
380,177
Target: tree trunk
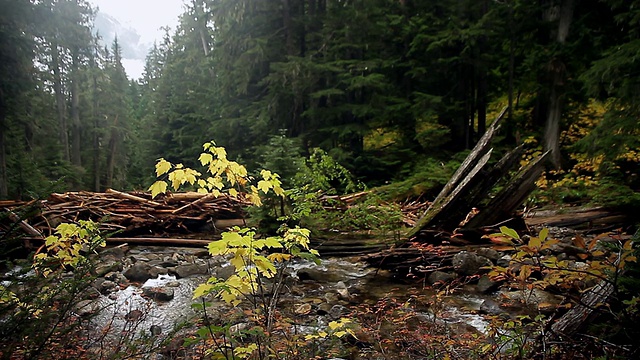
60,102
111,156
75,113
557,69
96,129
4,186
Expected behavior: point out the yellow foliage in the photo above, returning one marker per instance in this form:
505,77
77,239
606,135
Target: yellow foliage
224,176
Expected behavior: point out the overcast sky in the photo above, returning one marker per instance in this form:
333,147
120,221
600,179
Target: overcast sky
146,17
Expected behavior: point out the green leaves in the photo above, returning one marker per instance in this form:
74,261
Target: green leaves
509,232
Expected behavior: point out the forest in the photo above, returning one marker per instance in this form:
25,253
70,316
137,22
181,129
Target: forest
364,109
392,90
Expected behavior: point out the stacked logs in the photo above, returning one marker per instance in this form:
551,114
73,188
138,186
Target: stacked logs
133,213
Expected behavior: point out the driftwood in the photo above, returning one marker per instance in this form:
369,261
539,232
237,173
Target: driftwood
24,225
133,213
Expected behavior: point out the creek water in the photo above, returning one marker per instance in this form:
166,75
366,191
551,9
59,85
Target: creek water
331,289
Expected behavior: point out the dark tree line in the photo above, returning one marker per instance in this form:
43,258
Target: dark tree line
381,85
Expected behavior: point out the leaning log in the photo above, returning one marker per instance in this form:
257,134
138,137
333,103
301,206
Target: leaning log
461,185
481,148
503,205
454,206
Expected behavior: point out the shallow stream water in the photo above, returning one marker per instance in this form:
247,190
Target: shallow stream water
349,280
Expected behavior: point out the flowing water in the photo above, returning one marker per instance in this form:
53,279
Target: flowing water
350,282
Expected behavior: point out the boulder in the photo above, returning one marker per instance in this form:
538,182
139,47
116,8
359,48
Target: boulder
118,252
86,308
337,311
107,286
491,307
116,277
159,293
489,253
154,271
504,261
191,269
541,300
343,291
440,277
155,330
468,263
486,285
107,267
104,286
138,272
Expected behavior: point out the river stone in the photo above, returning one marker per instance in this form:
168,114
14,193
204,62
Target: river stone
116,277
134,315
108,286
164,263
156,270
539,299
302,309
489,253
106,267
239,327
491,307
468,263
191,269
86,308
343,292
504,261
337,311
440,277
324,308
331,297
155,330
138,272
114,252
486,285
159,293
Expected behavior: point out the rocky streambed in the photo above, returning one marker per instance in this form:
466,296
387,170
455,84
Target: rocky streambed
145,293
148,291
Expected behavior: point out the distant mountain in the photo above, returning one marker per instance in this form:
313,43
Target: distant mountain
108,28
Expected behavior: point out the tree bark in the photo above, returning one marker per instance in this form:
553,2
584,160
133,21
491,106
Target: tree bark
111,156
4,181
60,102
75,112
96,129
557,69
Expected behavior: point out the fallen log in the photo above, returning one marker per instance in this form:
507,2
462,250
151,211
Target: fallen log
451,206
578,315
503,205
136,213
479,150
402,259
24,225
587,219
132,197
158,241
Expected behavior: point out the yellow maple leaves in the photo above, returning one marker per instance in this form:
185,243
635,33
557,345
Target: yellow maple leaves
225,176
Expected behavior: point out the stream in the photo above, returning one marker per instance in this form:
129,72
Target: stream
314,295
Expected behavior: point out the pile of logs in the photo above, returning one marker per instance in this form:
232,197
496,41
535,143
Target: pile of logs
131,213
